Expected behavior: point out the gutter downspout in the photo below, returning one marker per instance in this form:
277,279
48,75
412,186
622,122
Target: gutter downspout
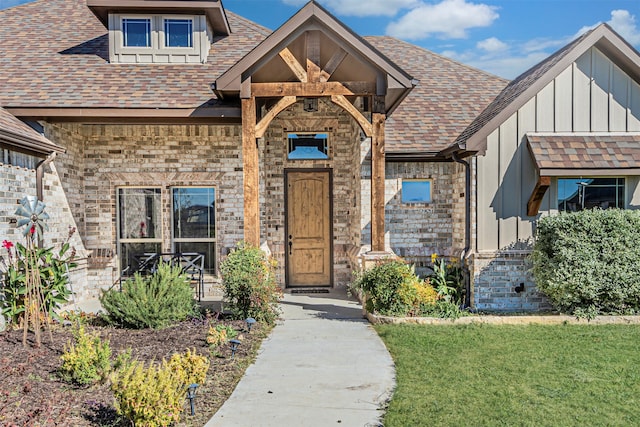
40,175
467,227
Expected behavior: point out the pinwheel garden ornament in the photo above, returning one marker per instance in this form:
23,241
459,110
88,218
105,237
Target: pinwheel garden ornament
32,214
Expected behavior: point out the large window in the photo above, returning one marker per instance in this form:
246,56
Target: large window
178,33
140,225
194,222
136,32
576,194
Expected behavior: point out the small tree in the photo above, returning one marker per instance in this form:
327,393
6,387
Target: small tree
249,284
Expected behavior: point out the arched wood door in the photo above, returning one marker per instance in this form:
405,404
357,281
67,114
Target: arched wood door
308,228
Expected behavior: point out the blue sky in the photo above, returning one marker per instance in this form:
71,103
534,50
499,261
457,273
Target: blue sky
504,37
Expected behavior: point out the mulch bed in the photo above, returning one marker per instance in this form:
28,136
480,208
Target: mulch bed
32,394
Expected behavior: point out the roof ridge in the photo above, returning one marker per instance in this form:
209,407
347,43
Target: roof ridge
249,23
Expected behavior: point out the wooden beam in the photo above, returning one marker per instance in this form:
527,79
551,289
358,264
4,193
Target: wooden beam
533,205
332,65
377,183
250,173
293,64
313,56
355,113
262,126
312,89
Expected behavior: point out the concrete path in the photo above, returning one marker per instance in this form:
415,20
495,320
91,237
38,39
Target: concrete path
322,365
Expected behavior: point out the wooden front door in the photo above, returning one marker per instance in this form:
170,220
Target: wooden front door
308,228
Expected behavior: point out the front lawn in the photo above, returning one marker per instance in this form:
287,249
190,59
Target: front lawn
481,375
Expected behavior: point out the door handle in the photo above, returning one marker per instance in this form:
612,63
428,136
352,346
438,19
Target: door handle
290,245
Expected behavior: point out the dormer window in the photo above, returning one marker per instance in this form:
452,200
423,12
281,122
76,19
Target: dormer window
136,32
178,33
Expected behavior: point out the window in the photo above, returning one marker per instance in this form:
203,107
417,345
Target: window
308,146
137,32
194,223
140,224
416,191
576,194
178,33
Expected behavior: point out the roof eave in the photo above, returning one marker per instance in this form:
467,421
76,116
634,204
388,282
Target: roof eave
39,147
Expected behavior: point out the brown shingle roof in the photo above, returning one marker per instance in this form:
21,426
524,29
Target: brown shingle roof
17,134
448,97
571,153
54,53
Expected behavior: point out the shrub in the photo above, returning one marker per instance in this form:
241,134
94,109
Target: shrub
155,395
249,284
86,361
220,334
392,288
156,301
588,262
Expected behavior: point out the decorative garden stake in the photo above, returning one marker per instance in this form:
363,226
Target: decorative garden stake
191,395
250,321
234,346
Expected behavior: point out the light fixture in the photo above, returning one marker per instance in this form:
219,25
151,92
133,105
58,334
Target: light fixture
310,105
191,395
234,346
250,322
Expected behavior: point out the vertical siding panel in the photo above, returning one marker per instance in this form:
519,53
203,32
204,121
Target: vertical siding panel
544,109
618,100
582,93
509,183
600,92
526,123
564,101
634,107
488,195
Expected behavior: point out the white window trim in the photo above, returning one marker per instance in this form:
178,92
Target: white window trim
163,35
137,240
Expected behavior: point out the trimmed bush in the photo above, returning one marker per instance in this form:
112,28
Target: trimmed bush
155,302
588,262
154,396
392,288
87,360
249,284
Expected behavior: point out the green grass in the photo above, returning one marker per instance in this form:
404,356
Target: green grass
480,375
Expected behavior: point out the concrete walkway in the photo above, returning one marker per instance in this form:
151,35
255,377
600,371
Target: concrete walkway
322,365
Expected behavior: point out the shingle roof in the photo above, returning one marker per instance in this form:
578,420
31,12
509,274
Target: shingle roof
448,97
18,134
555,152
54,53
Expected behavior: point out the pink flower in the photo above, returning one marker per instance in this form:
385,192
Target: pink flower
7,244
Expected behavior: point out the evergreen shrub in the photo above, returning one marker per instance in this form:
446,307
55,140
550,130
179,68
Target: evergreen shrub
588,262
87,360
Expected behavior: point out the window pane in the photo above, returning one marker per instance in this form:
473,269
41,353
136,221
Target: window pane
133,255
576,194
178,33
308,146
206,248
137,32
140,213
194,213
416,191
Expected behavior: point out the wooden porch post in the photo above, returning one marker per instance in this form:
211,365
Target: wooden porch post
250,173
377,183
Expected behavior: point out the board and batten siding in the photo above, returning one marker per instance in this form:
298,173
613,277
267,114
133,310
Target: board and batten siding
591,95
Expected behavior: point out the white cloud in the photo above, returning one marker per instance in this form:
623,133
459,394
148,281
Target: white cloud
625,24
492,44
447,19
360,8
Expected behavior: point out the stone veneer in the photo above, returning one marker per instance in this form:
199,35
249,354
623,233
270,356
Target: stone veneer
495,277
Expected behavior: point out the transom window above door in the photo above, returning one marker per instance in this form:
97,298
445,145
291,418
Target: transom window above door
576,194
308,146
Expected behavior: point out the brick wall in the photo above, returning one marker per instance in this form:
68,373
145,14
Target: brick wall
495,277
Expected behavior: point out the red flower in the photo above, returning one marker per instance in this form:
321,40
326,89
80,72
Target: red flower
7,244
32,230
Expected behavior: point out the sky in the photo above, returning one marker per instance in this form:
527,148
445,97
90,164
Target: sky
503,37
